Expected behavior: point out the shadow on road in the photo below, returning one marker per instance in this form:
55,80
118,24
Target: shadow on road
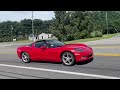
80,63
85,62
47,62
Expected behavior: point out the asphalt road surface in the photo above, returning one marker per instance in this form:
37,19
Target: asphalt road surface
102,67
106,64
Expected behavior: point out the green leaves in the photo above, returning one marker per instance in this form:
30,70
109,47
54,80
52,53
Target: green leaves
22,29
95,34
67,25
79,24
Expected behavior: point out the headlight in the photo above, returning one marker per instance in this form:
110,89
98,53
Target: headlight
79,50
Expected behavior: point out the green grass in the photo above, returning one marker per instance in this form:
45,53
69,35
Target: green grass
91,39
76,41
24,41
29,41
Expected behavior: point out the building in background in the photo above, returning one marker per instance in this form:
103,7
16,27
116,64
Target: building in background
33,38
42,36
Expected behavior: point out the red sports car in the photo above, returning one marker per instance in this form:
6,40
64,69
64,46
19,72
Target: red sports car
55,51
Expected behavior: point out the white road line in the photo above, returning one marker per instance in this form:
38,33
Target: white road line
60,71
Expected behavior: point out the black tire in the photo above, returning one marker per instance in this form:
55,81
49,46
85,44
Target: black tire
68,59
25,57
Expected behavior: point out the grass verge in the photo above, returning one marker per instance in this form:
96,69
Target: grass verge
91,39
76,41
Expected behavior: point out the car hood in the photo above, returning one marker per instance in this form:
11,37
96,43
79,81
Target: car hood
75,46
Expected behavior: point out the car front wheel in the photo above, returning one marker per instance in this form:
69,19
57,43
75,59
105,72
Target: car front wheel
25,57
68,59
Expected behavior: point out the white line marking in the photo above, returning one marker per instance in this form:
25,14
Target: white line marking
60,71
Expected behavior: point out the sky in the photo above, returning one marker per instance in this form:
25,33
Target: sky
20,15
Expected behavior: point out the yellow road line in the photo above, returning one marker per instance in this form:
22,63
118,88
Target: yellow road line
95,54
104,54
106,46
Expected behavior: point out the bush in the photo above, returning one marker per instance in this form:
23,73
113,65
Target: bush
99,34
67,37
70,37
76,36
92,34
61,38
84,34
96,34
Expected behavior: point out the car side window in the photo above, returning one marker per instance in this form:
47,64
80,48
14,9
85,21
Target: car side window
48,45
39,44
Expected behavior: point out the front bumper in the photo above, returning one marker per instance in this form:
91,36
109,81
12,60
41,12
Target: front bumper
80,57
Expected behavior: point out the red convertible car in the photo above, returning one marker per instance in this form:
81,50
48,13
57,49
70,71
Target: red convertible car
55,51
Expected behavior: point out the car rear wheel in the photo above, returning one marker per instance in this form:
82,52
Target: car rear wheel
25,57
68,59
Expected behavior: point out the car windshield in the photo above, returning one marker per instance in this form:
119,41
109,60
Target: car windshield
54,43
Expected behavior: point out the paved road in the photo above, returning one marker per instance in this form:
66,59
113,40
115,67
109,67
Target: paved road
106,64
104,67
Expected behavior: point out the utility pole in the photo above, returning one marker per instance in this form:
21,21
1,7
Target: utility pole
32,27
11,32
107,21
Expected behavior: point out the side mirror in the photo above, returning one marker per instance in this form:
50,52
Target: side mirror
43,47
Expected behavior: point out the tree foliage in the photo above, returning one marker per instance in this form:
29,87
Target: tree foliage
71,25
21,30
67,25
